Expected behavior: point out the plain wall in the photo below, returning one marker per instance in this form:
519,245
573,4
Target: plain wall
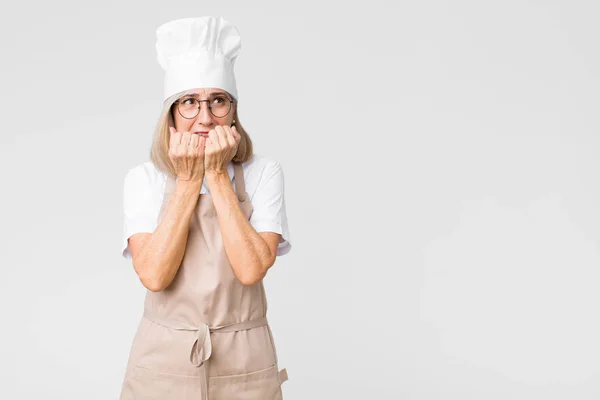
440,162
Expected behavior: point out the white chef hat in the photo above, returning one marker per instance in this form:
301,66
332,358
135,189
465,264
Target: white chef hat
198,53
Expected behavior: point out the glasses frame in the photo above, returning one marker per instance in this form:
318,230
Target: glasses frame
178,101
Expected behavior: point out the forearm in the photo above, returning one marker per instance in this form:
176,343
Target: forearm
248,253
164,251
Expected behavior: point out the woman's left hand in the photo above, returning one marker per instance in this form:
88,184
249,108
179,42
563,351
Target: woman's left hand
221,146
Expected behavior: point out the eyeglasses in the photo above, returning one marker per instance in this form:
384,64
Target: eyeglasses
219,106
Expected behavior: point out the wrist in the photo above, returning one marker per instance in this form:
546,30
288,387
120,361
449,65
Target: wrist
213,176
193,183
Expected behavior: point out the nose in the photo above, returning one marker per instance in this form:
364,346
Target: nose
204,116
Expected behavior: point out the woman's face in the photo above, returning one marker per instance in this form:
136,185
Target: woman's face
205,120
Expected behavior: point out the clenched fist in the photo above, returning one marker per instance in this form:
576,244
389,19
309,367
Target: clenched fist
221,147
186,151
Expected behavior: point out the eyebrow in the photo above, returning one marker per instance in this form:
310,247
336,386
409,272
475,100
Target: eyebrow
196,95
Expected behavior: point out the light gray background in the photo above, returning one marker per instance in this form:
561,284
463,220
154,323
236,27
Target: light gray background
443,197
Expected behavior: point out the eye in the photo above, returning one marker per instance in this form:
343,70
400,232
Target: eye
219,100
188,101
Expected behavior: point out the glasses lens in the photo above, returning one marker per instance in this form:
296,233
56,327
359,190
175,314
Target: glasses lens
188,108
219,105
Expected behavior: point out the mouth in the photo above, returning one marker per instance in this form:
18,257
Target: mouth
205,134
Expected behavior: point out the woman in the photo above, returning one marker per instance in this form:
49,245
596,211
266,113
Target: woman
204,221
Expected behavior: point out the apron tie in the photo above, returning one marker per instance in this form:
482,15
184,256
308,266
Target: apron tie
202,347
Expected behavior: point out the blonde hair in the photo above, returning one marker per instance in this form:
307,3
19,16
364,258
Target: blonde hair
159,153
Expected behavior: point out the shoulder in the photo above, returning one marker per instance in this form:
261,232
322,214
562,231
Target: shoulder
259,165
144,176
146,170
260,169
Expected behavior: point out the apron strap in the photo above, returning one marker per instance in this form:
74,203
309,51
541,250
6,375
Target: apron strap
240,186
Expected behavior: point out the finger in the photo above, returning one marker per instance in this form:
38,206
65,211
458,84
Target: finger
176,143
236,134
213,139
185,139
174,138
194,143
229,136
201,145
236,138
222,136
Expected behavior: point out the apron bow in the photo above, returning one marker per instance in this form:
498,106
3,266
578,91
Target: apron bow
202,347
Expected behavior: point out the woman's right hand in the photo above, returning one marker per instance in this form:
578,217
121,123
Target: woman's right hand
186,151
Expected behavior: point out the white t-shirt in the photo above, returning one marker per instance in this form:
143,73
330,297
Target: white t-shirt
145,187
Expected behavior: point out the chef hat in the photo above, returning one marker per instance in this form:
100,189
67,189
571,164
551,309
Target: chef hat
198,53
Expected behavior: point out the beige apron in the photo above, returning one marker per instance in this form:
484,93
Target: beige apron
205,336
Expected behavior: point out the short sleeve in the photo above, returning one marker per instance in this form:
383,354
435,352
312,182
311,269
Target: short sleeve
140,205
268,203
